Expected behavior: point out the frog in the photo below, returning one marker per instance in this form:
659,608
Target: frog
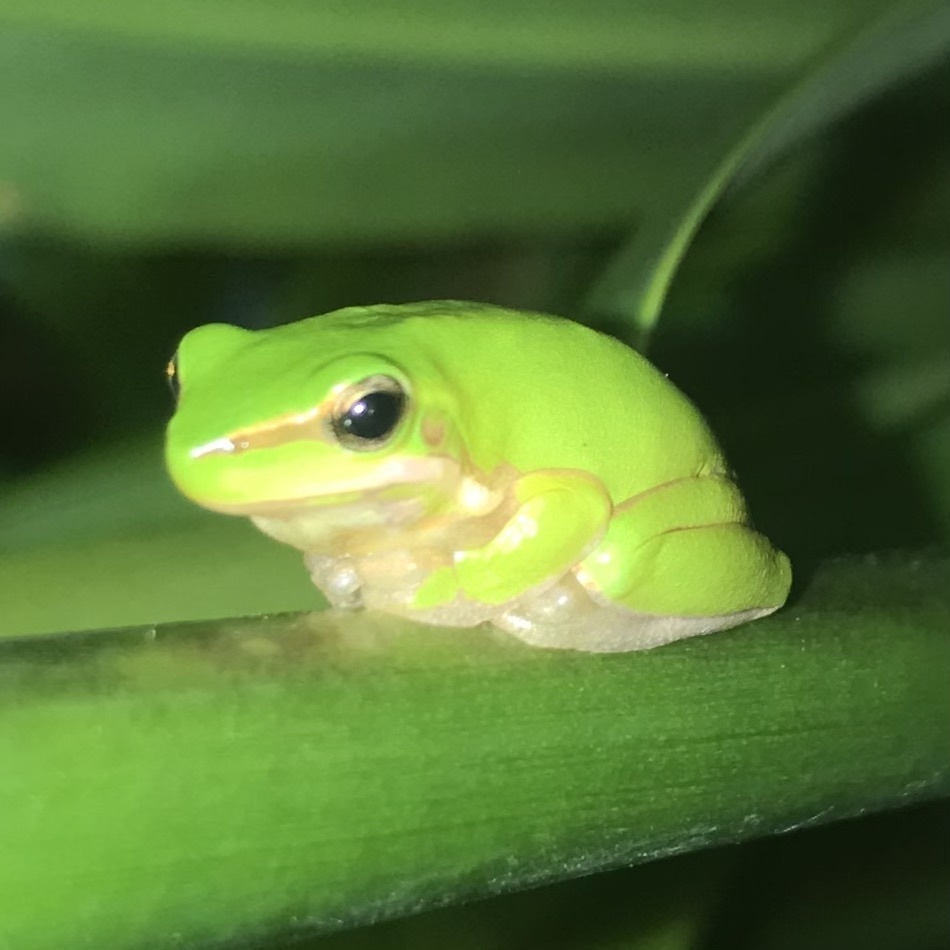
460,464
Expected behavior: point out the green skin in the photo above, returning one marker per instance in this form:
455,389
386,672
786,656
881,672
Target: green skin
541,476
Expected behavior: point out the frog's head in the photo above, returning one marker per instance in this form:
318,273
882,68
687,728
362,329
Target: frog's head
319,413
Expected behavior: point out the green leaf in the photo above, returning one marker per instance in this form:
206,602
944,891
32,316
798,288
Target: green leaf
198,783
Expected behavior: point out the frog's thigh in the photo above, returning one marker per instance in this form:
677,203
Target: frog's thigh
684,550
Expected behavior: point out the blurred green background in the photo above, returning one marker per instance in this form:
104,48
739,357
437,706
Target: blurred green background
163,166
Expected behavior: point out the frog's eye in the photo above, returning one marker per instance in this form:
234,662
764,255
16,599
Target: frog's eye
369,413
171,376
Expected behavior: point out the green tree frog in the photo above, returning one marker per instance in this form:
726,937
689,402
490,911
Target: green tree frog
457,463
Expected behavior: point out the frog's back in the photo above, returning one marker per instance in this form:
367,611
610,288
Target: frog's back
542,392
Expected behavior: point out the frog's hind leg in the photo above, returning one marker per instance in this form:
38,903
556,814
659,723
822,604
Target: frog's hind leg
685,555
677,561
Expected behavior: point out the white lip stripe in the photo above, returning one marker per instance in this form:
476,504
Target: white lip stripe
218,445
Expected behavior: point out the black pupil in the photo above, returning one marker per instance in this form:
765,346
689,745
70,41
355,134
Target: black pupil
372,416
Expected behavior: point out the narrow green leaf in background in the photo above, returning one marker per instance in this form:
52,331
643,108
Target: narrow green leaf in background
903,41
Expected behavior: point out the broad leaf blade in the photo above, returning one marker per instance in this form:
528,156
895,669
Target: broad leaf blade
203,782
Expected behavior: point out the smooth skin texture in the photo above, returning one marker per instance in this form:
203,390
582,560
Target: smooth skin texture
458,463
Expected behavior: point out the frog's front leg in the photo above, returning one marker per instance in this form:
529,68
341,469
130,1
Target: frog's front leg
686,550
337,578
560,517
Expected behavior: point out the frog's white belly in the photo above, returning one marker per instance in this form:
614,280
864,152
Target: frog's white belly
559,615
